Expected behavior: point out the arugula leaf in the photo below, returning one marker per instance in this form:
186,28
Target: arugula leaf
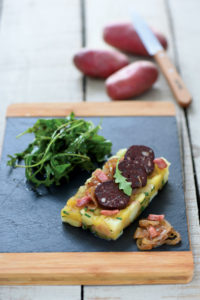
60,146
124,185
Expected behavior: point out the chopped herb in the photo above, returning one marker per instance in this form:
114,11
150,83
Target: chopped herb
119,218
84,226
87,215
65,212
124,185
85,208
92,210
146,194
142,208
59,147
163,182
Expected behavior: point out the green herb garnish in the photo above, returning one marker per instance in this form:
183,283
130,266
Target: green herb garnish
146,194
124,185
59,147
65,212
118,218
84,226
91,209
87,215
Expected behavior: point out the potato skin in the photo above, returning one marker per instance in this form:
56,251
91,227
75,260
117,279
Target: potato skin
124,37
132,80
99,63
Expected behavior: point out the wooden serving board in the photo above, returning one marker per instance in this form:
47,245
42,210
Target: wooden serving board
36,248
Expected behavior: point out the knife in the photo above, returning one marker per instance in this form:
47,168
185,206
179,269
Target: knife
156,50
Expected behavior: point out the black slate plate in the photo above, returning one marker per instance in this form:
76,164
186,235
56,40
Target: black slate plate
30,221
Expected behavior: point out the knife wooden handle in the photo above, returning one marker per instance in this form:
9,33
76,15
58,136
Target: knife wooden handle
176,83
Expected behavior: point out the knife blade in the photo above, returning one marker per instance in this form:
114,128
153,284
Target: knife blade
156,50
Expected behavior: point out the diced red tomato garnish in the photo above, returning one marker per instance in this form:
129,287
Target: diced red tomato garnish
155,217
160,163
109,212
101,176
152,232
83,201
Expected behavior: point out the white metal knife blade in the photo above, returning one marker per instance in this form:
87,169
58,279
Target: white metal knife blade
146,35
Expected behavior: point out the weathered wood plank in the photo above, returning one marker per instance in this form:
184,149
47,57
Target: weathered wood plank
185,15
38,40
40,292
98,14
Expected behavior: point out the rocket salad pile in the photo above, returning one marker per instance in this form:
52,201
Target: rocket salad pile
59,147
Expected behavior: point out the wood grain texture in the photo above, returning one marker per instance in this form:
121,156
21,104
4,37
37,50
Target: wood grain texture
96,268
40,292
38,40
122,108
40,67
193,289
188,48
174,79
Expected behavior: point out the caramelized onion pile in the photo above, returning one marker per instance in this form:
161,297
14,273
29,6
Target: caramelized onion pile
154,232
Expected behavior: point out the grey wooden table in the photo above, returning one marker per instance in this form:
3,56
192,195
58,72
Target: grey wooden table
37,41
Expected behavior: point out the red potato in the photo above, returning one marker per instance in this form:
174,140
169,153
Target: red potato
132,80
99,63
124,37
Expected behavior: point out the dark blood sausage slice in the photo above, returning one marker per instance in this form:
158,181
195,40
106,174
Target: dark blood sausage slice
143,155
134,173
109,196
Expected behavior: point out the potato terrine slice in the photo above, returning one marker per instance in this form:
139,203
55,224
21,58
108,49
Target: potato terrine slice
109,224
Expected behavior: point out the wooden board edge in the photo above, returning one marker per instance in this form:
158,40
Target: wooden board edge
96,268
88,109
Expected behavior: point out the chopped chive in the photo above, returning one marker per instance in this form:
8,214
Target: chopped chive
87,215
85,208
84,226
92,210
142,208
146,194
65,212
119,218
